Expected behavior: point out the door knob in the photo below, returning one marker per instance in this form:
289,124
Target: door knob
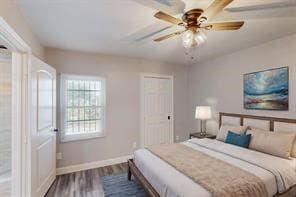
56,130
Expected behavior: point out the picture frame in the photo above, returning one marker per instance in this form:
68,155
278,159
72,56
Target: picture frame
267,89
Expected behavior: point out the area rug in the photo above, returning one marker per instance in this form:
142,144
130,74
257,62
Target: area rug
118,186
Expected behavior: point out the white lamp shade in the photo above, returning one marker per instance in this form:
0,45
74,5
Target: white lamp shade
203,112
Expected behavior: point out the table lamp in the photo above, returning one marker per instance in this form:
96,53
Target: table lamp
203,113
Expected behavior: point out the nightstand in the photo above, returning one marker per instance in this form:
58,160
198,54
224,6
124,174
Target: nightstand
198,135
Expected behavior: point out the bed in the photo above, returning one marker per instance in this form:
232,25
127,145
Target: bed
159,178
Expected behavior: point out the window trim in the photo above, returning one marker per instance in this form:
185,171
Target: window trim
83,136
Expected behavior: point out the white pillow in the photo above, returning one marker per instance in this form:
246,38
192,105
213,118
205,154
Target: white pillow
223,131
273,143
293,149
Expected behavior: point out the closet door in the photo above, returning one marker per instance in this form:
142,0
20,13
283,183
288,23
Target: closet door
157,109
43,124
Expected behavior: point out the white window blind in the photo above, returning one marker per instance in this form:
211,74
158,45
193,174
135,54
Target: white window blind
83,107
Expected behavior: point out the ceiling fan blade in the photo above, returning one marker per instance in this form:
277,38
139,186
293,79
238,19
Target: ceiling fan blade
273,5
223,25
143,34
169,36
152,34
169,6
216,7
168,18
287,12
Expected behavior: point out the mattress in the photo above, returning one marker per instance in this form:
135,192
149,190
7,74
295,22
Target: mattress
169,182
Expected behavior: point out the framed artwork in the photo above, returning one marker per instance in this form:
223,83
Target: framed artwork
267,90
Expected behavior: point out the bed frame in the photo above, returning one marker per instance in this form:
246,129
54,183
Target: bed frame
151,192
242,117
133,170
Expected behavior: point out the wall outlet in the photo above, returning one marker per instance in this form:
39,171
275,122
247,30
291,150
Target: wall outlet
134,145
59,156
177,138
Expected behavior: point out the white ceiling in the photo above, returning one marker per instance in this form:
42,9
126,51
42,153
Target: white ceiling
111,26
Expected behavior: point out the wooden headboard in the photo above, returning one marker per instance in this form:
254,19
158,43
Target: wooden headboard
268,122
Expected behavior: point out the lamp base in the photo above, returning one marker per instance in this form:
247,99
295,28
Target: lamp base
202,132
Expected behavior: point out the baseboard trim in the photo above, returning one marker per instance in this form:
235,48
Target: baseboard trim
92,165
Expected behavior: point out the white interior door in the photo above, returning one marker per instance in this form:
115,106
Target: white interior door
157,110
43,123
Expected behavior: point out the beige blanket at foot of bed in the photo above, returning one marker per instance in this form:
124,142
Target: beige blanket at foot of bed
218,177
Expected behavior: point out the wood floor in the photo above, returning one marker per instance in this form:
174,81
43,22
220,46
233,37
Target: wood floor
83,184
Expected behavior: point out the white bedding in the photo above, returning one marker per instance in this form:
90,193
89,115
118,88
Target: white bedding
169,182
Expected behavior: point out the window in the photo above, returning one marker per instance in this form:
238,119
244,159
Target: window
82,107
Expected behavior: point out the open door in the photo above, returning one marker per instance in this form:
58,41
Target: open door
43,124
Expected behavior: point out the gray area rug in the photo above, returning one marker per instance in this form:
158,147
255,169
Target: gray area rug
117,185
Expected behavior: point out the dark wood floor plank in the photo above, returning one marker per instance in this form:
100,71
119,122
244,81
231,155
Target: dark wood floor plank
84,183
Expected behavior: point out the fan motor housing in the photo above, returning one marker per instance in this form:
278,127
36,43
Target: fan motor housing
190,17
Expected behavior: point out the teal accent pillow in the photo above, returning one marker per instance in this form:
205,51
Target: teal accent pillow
242,140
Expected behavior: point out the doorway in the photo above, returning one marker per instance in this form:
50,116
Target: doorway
5,120
157,114
13,94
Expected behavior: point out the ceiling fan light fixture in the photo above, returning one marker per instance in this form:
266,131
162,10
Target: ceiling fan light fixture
200,37
196,20
189,44
188,36
188,40
191,38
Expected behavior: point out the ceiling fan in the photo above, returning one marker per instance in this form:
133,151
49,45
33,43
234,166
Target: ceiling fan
195,21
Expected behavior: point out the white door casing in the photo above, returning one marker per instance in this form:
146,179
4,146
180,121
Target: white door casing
156,109
43,123
20,52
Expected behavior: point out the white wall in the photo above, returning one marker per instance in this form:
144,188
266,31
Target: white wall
13,16
123,102
219,82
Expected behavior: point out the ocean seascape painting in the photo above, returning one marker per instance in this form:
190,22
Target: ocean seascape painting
267,90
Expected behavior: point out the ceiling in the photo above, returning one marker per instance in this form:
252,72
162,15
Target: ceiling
113,26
